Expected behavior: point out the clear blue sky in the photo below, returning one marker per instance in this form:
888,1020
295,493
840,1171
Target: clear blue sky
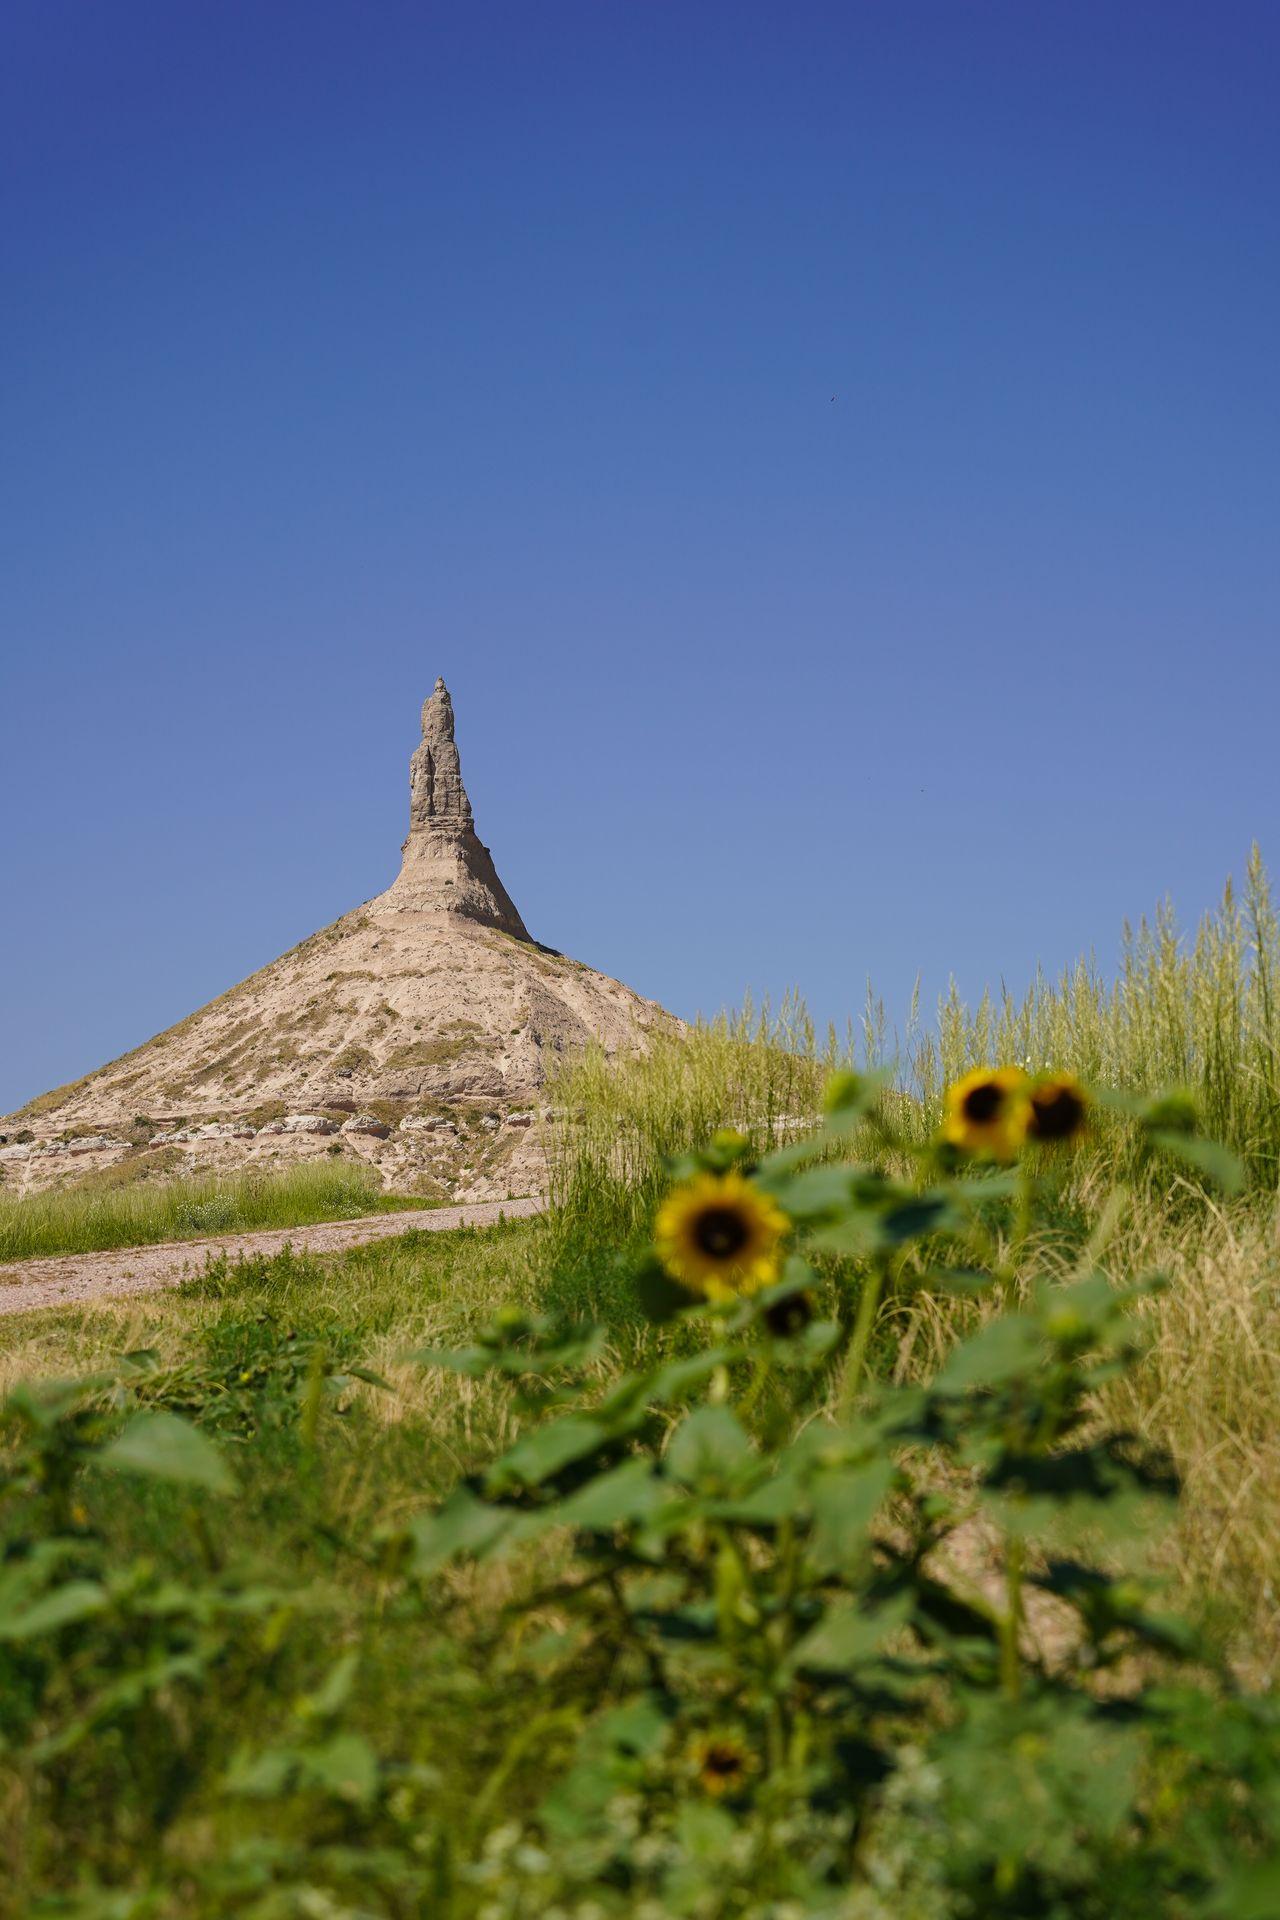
342,345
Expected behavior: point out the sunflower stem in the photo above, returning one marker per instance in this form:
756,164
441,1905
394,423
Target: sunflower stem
1005,1272
1011,1625
1026,1211
855,1361
755,1386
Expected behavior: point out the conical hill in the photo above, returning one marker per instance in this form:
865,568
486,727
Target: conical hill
416,1032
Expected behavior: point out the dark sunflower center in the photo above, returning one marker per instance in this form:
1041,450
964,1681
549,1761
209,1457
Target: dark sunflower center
1056,1114
790,1316
720,1232
724,1762
983,1103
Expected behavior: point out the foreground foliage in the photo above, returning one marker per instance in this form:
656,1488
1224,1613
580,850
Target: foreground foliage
709,1617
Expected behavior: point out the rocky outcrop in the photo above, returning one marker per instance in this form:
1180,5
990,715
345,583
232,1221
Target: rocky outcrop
445,867
415,1033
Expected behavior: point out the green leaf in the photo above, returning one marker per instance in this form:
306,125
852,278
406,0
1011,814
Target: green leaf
163,1446
628,1493
706,1833
968,1280
1040,1780
636,1726
817,1192
856,1237
334,1690
1000,1351
662,1298
462,1525
707,1445
845,1637
610,1752
370,1378
845,1501
23,1579
41,1406
1251,1893
673,1381
345,1766
141,1359
547,1451
472,1361
1215,1162
845,1091
767,1505
626,1406
1090,1301
924,1213
261,1776
1118,1101
852,1099
1093,1487
77,1600
124,1696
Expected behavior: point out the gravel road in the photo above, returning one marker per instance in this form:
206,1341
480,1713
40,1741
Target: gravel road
74,1279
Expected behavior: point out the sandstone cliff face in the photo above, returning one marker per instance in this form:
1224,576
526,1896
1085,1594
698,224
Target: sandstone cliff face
415,1033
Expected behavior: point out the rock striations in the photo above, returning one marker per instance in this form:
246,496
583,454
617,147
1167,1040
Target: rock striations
415,1033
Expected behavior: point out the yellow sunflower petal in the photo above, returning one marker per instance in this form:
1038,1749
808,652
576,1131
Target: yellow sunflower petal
720,1236
988,1112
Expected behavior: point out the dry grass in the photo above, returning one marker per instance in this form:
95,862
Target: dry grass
1209,1391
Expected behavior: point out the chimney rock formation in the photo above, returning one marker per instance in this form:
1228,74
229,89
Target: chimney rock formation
415,1034
445,866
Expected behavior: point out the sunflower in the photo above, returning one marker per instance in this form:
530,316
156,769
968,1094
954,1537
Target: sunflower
988,1111
720,1236
1059,1108
790,1316
722,1761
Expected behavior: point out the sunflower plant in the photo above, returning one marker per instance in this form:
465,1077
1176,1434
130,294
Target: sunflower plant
834,1644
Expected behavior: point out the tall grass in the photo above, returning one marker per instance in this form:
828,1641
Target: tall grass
759,1072
85,1219
1199,1012
1202,1013
1208,1391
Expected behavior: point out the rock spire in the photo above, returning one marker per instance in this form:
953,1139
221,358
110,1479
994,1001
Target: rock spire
445,867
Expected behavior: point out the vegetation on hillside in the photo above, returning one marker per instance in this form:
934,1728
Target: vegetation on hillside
1203,1014
854,1500
96,1213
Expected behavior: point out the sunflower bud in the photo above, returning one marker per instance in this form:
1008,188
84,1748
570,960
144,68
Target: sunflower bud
726,1148
722,1762
1172,1112
789,1316
843,1090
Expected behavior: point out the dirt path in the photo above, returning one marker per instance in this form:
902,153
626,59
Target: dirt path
75,1279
